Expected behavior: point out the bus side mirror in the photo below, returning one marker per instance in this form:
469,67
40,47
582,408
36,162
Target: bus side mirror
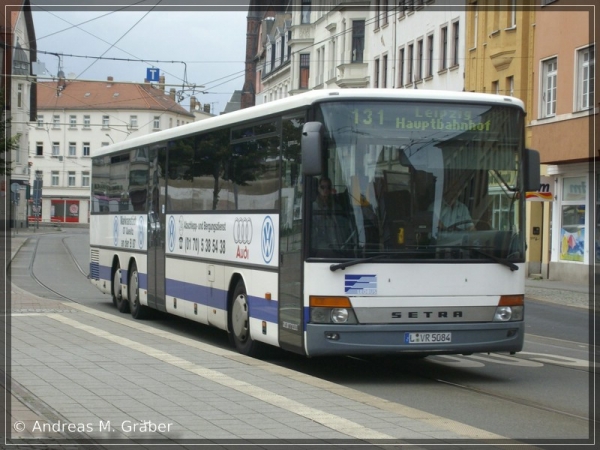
312,148
532,170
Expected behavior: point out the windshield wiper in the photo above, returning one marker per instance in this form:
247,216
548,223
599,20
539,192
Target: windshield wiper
505,262
512,266
343,265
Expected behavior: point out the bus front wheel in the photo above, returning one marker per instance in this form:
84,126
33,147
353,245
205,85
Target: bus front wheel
240,322
118,301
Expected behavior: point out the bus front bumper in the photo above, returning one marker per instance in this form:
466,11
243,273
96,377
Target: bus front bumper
330,339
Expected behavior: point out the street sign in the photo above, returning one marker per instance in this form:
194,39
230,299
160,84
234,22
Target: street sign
153,74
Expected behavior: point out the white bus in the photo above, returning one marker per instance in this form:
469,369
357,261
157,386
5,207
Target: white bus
419,247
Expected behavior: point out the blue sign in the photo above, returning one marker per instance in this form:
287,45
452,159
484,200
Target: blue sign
153,74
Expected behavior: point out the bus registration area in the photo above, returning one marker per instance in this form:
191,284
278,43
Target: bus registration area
427,338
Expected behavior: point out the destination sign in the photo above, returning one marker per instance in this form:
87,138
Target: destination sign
422,119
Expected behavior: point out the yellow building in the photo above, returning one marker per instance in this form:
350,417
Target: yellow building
499,60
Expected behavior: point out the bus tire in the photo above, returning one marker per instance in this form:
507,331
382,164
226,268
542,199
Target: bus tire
240,322
118,301
138,311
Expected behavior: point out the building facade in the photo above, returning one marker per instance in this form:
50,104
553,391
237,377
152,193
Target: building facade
19,91
357,44
563,116
75,118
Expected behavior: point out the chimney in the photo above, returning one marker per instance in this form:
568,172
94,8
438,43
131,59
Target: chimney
110,78
62,83
192,103
161,83
172,93
207,108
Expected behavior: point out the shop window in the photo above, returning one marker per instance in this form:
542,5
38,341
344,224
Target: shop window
572,230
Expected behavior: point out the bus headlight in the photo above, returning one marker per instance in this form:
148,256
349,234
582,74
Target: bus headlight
510,308
339,315
508,313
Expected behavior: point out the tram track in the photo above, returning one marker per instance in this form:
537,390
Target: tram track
33,245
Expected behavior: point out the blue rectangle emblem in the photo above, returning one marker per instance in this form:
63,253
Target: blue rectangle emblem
360,284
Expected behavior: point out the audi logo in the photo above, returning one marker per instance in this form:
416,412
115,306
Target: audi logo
242,230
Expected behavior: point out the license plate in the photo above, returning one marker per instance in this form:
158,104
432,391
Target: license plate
427,338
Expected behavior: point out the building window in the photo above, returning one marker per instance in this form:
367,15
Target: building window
512,14
72,121
86,149
55,148
40,121
305,11
304,70
585,78
444,48
420,59
156,124
402,8
55,178
133,122
86,121
573,229
455,46
358,40
20,95
85,179
549,74
39,149
429,55
105,122
401,67
72,149
71,179
409,65
495,87
55,121
384,70
510,86
376,74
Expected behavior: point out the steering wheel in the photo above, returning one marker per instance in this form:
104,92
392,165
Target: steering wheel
454,226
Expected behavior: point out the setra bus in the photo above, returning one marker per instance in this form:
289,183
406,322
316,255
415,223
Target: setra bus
359,221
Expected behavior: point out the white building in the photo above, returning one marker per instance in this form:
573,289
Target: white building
77,117
358,44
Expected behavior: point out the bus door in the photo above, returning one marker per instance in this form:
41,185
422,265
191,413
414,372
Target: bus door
156,229
291,310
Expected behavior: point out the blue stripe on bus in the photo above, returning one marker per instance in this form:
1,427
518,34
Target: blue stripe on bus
260,308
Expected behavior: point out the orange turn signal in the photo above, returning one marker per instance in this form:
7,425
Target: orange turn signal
330,302
511,300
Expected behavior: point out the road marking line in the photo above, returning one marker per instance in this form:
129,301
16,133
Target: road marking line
436,422
332,421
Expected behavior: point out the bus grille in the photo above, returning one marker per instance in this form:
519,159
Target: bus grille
95,264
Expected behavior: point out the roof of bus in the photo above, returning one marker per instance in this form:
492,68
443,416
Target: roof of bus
305,99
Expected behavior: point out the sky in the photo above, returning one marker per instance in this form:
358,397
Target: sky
212,44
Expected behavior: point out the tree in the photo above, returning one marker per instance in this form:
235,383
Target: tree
8,143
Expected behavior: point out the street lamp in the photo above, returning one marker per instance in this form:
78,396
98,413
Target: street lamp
111,139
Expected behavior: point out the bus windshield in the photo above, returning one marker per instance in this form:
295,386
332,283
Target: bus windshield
419,180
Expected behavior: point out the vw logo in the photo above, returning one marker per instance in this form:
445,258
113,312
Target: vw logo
141,232
116,231
242,230
171,233
267,239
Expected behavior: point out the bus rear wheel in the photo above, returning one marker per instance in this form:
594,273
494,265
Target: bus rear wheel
240,322
118,301
138,311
